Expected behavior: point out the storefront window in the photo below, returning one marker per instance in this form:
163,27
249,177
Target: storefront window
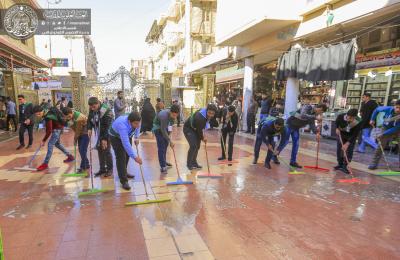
377,86
394,93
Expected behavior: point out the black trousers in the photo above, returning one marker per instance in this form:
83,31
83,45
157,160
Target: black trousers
121,159
194,146
14,120
23,127
178,119
251,123
224,134
340,154
105,158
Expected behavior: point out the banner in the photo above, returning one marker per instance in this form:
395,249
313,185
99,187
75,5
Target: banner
46,85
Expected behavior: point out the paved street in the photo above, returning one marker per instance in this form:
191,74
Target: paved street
251,213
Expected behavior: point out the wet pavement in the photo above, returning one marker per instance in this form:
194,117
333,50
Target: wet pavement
250,213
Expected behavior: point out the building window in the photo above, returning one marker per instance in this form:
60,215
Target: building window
23,41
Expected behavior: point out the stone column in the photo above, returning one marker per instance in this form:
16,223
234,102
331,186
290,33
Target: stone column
247,88
291,95
166,88
77,91
208,87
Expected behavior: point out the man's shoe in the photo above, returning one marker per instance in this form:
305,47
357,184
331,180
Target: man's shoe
360,151
164,170
42,167
108,174
20,146
337,167
29,146
198,166
344,169
276,161
168,164
130,176
267,165
255,161
126,186
296,165
99,173
221,158
373,167
69,159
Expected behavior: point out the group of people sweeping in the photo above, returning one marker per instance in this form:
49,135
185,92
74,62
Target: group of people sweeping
118,132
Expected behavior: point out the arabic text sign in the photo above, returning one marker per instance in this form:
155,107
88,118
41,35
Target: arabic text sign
47,85
65,22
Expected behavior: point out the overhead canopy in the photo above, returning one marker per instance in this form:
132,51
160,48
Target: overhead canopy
332,63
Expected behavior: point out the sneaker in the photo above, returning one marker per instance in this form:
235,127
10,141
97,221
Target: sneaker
108,174
42,167
267,165
296,165
29,146
126,186
373,167
168,164
99,173
344,169
20,146
276,161
164,170
221,158
255,161
191,168
130,176
70,158
337,167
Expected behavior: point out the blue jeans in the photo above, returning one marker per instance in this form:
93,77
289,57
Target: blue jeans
259,140
295,134
162,146
54,141
83,143
367,140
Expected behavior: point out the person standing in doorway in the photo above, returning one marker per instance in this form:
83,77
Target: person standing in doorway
367,108
11,114
119,105
162,122
26,122
100,119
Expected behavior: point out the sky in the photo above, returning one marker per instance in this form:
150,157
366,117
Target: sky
119,28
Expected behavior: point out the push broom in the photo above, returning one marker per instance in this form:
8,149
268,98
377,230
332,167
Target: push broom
92,191
208,174
316,166
352,179
75,173
148,200
293,170
179,181
29,167
389,171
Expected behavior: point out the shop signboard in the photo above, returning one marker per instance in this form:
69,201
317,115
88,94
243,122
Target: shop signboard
46,85
229,74
59,62
378,59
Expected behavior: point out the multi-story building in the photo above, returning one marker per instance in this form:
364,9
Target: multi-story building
140,69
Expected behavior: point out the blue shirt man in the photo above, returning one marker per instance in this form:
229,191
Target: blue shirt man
121,132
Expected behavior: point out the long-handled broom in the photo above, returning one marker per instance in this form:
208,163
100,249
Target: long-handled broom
75,173
208,174
29,167
92,191
293,170
353,179
148,200
224,150
389,171
179,181
316,166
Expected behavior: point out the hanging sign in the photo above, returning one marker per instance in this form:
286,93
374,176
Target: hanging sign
386,58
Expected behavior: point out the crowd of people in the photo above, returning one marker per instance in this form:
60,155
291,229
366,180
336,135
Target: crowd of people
115,129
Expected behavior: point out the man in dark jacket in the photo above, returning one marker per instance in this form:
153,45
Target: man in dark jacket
229,125
100,119
251,116
193,131
265,106
268,129
367,108
148,113
26,121
348,127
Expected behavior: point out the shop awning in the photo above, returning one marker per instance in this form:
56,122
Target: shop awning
218,56
22,57
256,29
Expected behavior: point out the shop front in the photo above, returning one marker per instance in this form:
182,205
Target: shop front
229,83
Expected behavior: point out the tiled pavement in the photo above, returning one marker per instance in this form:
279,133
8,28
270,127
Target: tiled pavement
251,213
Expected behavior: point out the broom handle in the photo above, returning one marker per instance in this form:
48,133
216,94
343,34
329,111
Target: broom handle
141,174
75,157
318,143
223,143
176,164
91,161
383,153
208,164
345,155
34,156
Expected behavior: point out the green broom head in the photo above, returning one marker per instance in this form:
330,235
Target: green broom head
294,172
388,173
92,192
1,247
74,175
135,203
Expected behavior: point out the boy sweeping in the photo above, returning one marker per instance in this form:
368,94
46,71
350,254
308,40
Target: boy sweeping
78,123
54,125
348,126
